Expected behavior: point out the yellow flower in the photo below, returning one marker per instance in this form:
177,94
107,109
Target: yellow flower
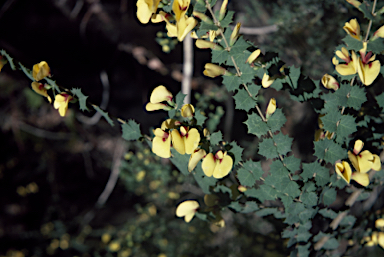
378,33
329,82
363,161
266,81
185,141
202,17
41,90
253,56
180,7
271,108
223,9
145,9
184,26
353,29
350,67
161,144
355,3
195,157
361,178
187,110
367,68
235,34
41,70
218,165
187,209
344,171
160,94
213,70
204,44
61,103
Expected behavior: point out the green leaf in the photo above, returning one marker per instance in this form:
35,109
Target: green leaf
256,125
309,199
376,46
266,192
216,138
283,142
232,83
204,26
27,72
309,187
82,98
331,244
290,188
255,167
248,176
322,176
330,120
348,221
329,196
53,84
276,121
267,148
239,47
295,208
220,56
244,101
309,170
328,213
171,113
10,60
307,214
294,74
329,151
203,181
321,173
181,161
352,43
346,127
380,100
200,118
303,250
131,130
278,174
104,114
292,163
254,89
277,84
251,193
179,100
198,7
357,97
227,19
250,206
237,152
266,211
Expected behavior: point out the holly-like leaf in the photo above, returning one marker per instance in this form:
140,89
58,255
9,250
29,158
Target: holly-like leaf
227,19
254,89
200,118
131,130
240,46
266,211
219,56
203,181
380,100
309,169
268,149
309,199
232,83
266,192
294,74
329,196
331,244
330,120
348,221
244,101
289,187
357,97
9,59
253,166
256,125
276,121
246,177
104,114
375,46
335,152
27,72
328,213
237,151
216,138
352,43
346,127
82,98
292,163
53,84
283,142
179,100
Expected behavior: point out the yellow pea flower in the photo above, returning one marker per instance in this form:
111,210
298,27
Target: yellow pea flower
367,68
378,33
41,90
344,171
145,9
187,209
352,28
195,157
161,143
266,81
223,9
204,44
329,82
184,26
361,178
350,67
218,165
355,3
187,110
41,70
185,141
363,161
170,124
213,70
180,7
160,94
61,103
235,34
271,108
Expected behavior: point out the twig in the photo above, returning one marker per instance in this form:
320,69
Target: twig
370,22
187,68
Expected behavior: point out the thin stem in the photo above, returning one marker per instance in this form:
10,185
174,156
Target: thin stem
370,22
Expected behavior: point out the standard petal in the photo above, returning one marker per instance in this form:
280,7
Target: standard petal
358,146
376,163
187,207
361,178
161,146
178,141
266,81
365,159
346,69
192,140
160,94
371,71
154,107
223,167
208,165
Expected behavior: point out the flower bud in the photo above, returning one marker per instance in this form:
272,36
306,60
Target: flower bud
329,82
253,56
235,34
355,3
223,9
204,44
187,110
241,188
271,108
266,81
352,28
41,70
203,17
213,70
378,33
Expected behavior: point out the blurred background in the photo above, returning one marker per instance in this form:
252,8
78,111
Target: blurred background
72,186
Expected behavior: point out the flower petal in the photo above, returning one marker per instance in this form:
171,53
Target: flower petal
365,160
191,140
361,178
160,94
208,165
223,167
376,162
195,157
178,141
188,209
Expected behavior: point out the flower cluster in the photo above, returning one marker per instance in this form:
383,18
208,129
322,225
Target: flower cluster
184,137
362,63
362,161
